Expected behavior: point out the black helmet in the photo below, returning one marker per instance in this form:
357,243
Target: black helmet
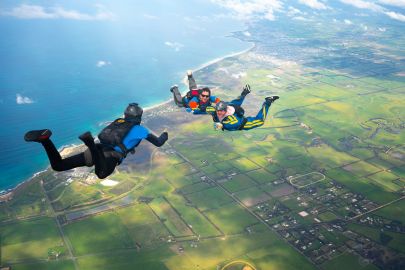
133,112
221,106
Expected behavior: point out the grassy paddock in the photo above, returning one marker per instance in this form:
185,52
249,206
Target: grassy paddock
362,186
209,198
394,211
142,225
386,180
97,234
29,239
52,265
252,196
199,224
231,218
239,182
330,157
150,259
30,201
361,168
262,176
213,252
347,261
170,217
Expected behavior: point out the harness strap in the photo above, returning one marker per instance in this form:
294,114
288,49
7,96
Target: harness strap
118,155
123,149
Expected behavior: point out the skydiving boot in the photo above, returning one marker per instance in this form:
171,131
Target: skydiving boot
88,140
37,135
189,74
174,88
271,99
177,96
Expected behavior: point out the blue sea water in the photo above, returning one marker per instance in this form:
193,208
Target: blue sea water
55,63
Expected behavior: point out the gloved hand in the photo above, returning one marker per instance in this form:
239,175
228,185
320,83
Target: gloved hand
246,90
189,110
164,136
218,126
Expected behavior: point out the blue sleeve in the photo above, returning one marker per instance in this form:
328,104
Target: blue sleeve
134,137
141,132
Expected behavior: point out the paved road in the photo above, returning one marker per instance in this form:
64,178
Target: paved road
379,207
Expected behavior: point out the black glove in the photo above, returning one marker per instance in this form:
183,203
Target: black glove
164,136
246,90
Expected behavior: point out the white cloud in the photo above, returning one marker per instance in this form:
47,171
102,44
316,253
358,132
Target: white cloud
382,29
23,100
395,15
239,75
397,3
363,4
315,4
377,8
293,11
300,18
247,34
175,45
250,9
102,63
25,11
348,22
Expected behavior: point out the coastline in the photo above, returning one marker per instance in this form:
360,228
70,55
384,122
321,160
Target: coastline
218,59
7,194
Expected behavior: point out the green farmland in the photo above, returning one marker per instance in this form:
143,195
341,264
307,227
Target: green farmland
321,185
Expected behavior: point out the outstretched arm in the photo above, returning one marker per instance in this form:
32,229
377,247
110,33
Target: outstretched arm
157,141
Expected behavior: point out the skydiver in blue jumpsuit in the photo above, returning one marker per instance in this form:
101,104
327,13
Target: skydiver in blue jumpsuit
116,140
230,116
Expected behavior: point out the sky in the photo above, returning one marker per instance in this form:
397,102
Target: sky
242,9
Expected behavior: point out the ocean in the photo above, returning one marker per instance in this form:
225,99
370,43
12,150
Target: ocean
73,75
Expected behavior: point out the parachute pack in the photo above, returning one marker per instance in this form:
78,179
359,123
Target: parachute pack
114,134
239,111
193,93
